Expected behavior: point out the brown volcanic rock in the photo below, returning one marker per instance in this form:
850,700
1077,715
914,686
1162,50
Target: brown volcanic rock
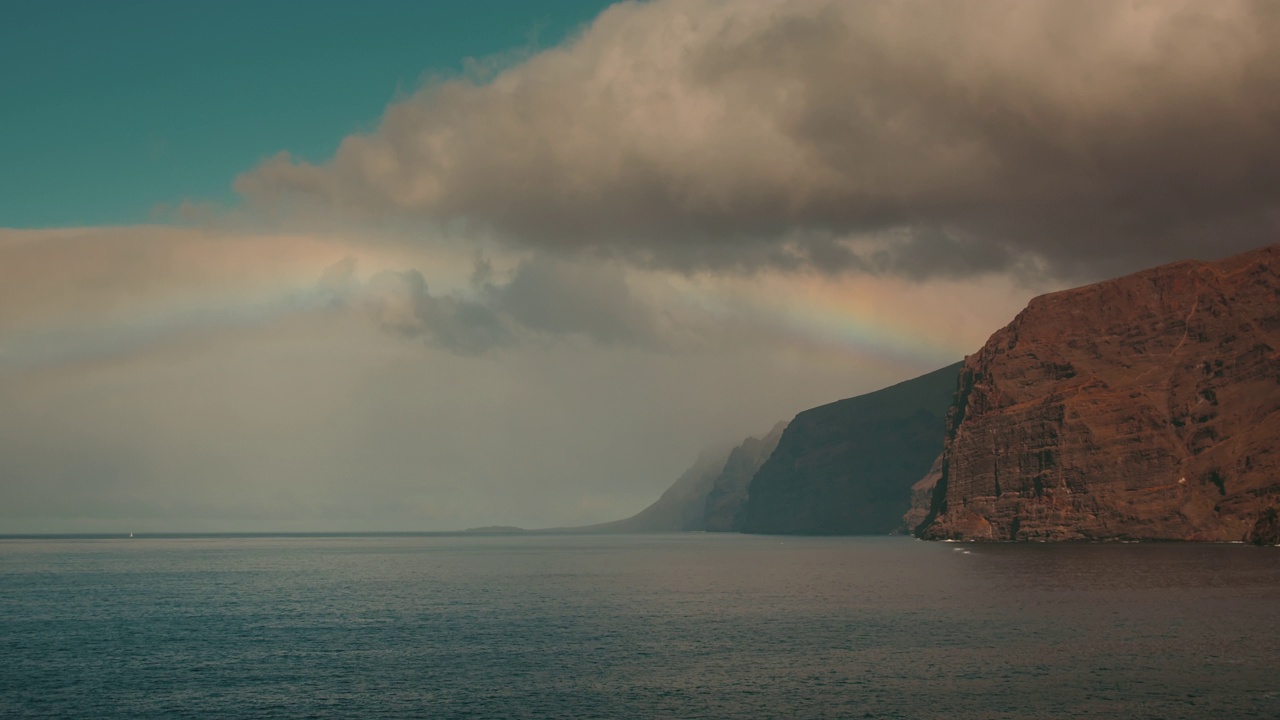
1267,530
922,498
1144,407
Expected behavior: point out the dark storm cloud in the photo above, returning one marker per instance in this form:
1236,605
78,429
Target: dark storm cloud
914,138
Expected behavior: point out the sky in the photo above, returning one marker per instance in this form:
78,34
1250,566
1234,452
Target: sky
270,266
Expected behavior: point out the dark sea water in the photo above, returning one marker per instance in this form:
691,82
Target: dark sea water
681,626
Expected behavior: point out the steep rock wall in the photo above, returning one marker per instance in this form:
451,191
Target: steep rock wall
847,468
1146,407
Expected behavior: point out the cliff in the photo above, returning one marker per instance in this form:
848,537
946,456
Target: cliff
680,508
922,498
847,468
711,492
1138,408
728,496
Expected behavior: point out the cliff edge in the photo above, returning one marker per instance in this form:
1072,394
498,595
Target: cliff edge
847,468
1146,407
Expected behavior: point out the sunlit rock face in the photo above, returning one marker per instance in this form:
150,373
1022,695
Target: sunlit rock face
1144,407
847,468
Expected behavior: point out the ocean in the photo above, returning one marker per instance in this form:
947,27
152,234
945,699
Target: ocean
659,626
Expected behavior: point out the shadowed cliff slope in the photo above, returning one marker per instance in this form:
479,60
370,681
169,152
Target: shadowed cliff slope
847,468
1146,407
728,496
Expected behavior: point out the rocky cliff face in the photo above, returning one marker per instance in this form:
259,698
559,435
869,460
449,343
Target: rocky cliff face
847,468
728,495
1146,407
922,498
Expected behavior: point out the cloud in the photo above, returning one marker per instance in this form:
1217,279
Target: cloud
168,379
595,300
920,139
75,294
89,276
398,301
89,295
543,299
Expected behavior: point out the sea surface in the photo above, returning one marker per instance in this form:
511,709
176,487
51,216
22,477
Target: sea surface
666,626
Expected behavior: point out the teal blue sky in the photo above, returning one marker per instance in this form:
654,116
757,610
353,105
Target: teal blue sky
111,109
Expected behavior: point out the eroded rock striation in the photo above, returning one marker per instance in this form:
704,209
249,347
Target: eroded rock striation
847,468
1146,407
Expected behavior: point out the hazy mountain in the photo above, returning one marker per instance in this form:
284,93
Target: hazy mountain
728,495
681,506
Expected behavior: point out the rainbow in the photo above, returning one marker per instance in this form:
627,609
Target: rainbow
879,320
213,282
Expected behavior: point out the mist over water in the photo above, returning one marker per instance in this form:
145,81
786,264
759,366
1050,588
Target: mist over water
690,626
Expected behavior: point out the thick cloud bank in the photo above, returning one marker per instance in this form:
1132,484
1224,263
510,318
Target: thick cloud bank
911,138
